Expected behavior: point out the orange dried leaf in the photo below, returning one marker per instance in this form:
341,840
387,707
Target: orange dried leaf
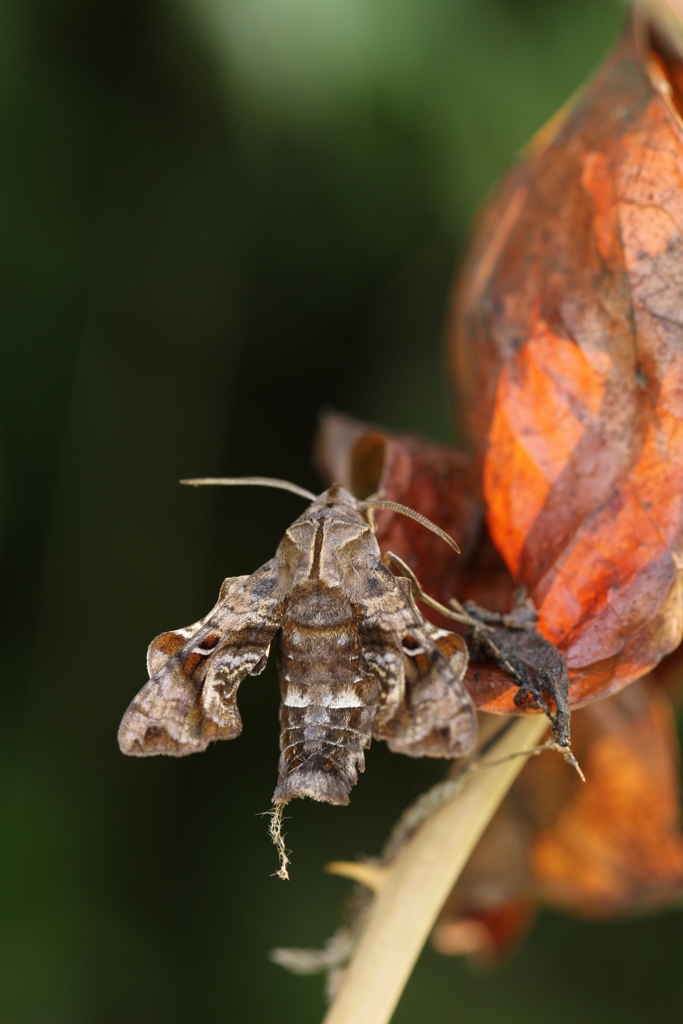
611,845
568,345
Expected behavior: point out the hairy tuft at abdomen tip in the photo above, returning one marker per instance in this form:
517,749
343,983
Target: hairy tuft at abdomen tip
318,778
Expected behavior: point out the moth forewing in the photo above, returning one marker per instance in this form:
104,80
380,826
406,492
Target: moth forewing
167,644
191,697
426,710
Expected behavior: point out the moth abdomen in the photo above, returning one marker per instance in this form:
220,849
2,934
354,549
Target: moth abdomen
328,699
322,751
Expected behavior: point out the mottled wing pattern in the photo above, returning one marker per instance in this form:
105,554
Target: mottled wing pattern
191,696
425,709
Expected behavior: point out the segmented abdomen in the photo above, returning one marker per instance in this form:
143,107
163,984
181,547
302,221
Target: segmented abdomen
328,698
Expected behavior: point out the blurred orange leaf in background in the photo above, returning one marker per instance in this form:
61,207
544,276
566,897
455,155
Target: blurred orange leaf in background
605,847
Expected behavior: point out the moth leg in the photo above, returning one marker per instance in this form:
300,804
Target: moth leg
457,612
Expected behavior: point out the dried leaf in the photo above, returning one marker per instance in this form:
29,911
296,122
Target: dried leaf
436,480
568,347
611,845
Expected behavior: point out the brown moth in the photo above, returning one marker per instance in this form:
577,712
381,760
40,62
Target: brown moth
357,659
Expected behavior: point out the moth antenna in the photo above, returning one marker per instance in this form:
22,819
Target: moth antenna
257,481
393,506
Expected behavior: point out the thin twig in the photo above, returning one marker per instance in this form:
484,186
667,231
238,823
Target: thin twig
418,882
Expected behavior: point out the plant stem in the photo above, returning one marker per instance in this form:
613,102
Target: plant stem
418,883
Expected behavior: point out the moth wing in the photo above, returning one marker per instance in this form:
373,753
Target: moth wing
426,710
191,696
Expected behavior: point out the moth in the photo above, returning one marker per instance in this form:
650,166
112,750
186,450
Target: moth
357,659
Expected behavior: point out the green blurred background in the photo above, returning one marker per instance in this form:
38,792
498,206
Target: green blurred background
218,218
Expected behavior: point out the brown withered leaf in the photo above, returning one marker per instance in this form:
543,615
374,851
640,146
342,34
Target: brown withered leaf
436,480
611,845
567,345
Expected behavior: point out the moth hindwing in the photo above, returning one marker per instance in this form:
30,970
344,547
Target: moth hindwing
357,660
